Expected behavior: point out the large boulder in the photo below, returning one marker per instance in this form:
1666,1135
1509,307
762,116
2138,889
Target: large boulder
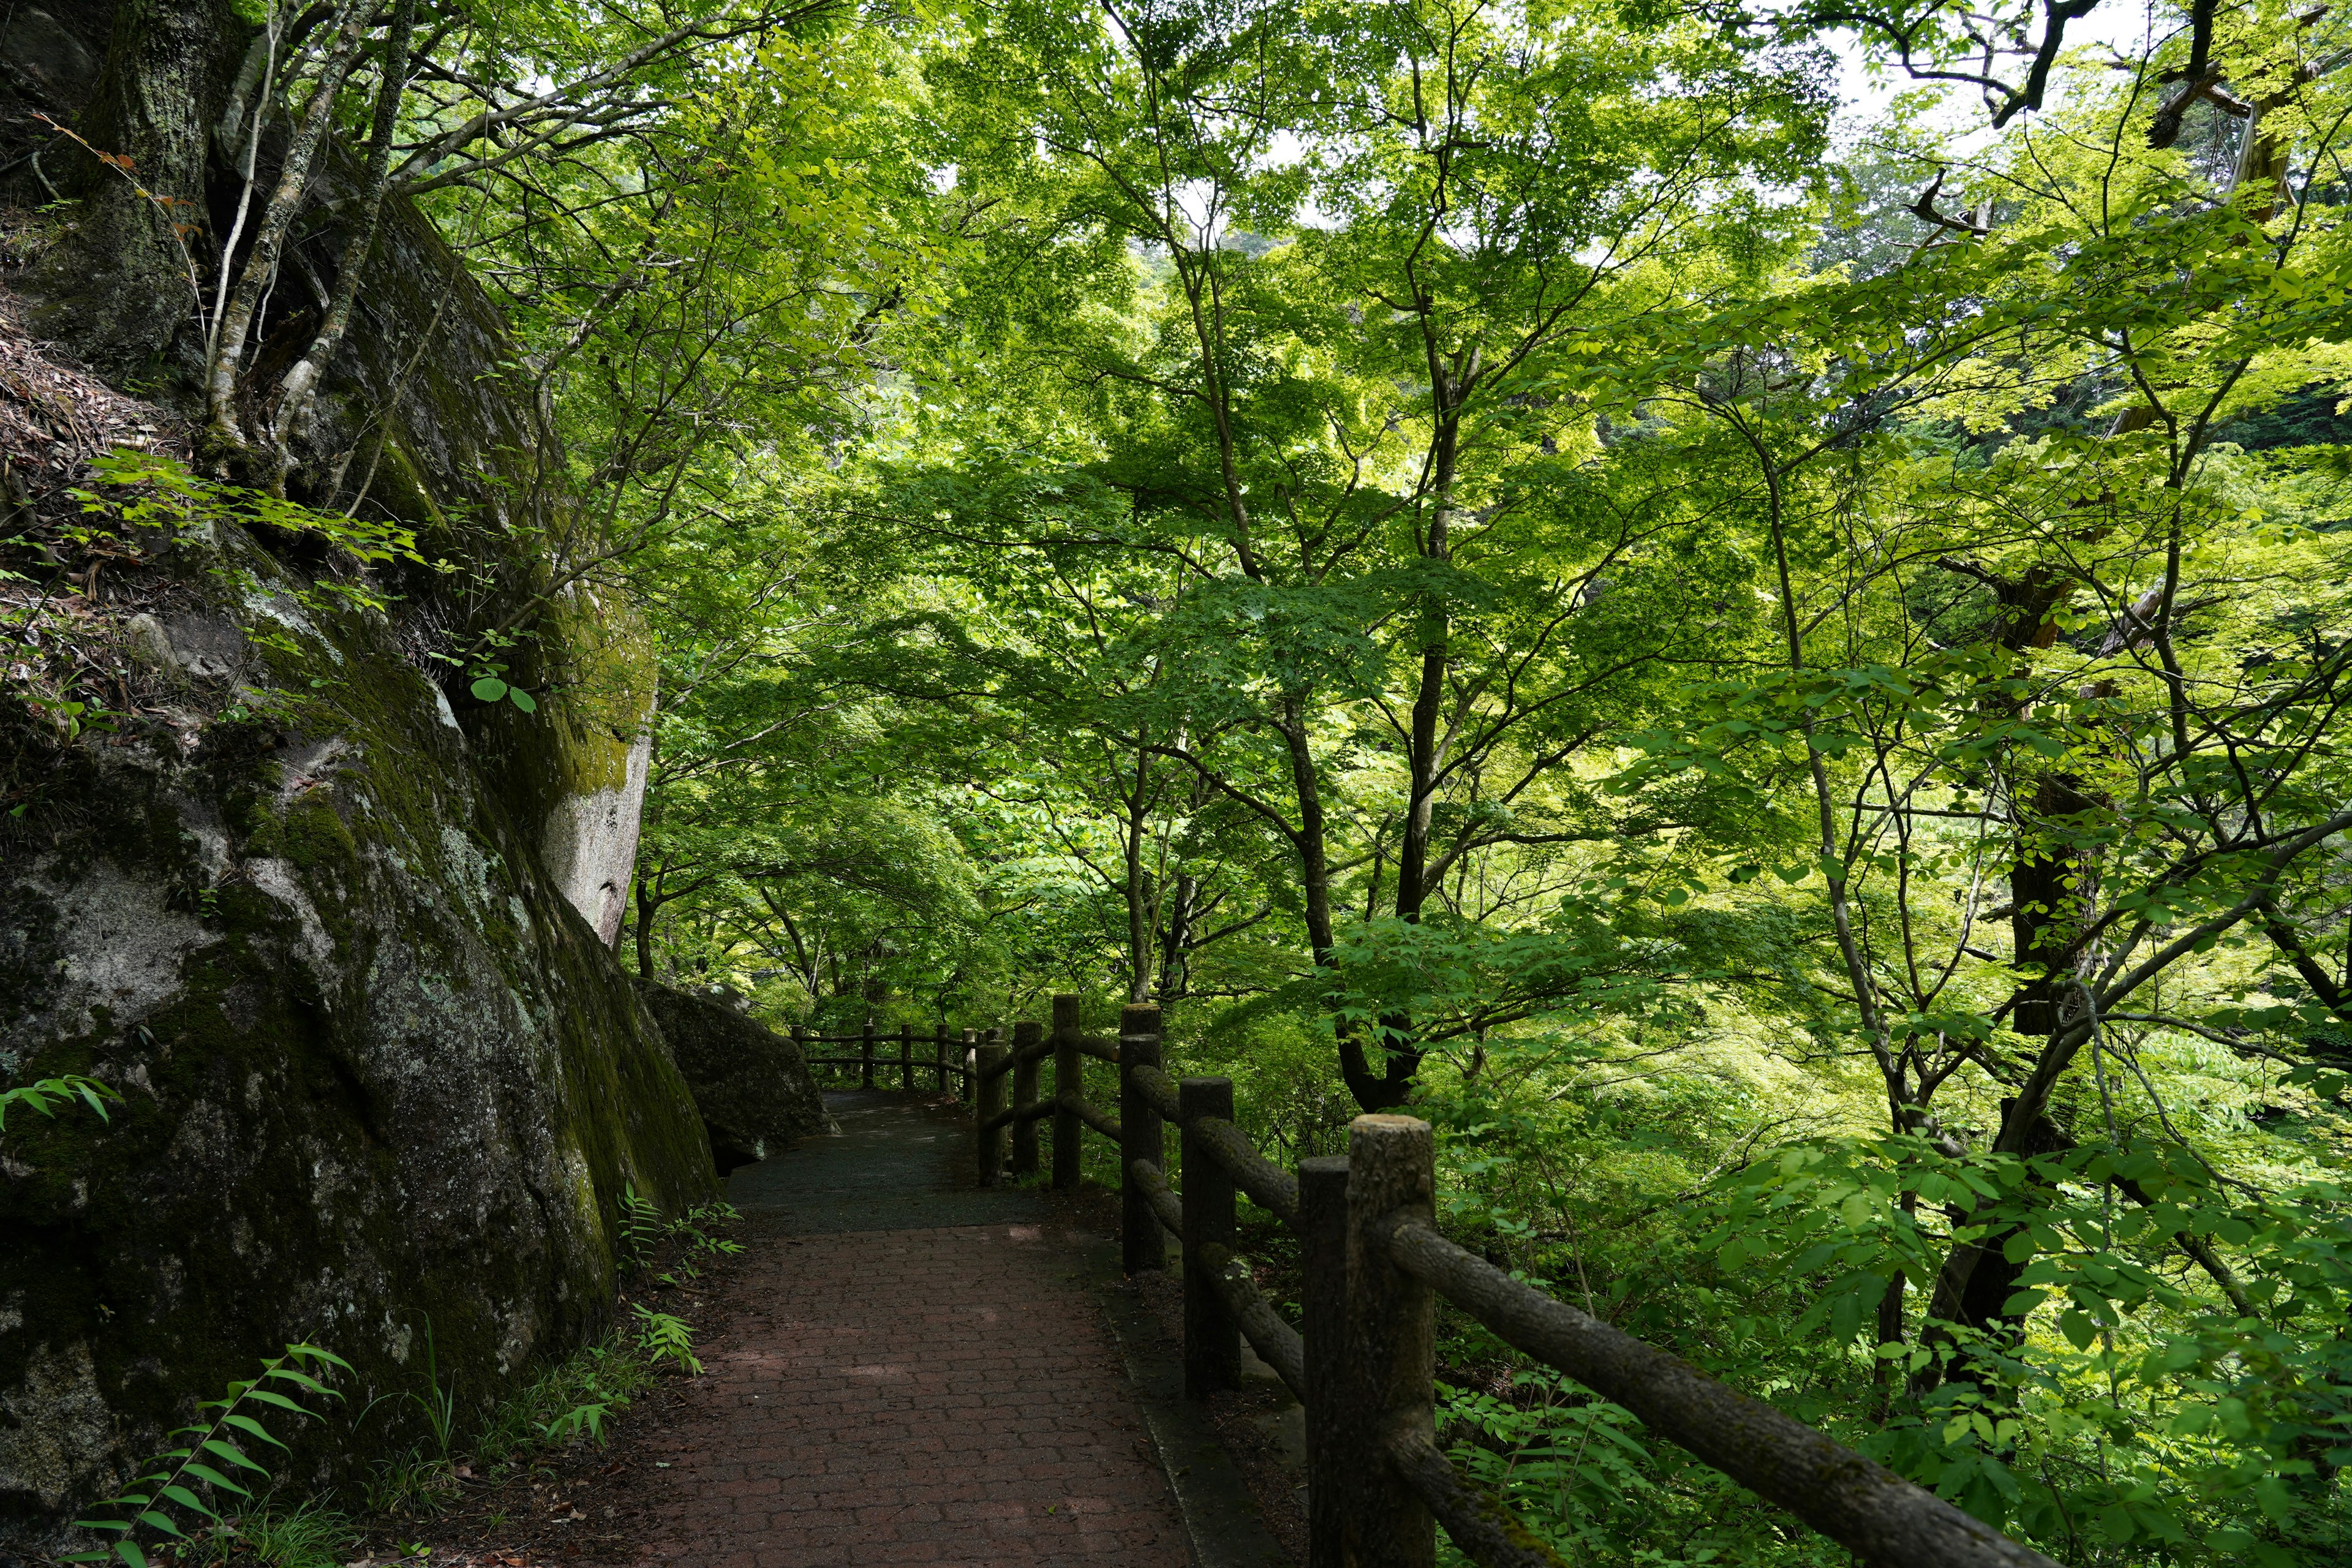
338,932
379,1075
749,1082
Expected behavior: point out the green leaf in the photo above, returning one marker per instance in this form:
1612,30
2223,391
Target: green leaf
253,1428
266,1396
2080,1331
203,1472
489,688
303,1379
130,1553
232,1453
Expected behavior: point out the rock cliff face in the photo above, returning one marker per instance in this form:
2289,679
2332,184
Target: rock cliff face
749,1082
337,932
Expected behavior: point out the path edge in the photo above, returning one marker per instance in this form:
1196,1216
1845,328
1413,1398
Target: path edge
1223,1527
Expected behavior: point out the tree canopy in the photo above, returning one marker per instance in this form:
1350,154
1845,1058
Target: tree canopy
1746,606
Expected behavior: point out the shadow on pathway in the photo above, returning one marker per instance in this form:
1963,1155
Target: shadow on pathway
913,1371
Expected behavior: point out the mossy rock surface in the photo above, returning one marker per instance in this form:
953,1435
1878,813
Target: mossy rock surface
379,1076
383,1086
750,1083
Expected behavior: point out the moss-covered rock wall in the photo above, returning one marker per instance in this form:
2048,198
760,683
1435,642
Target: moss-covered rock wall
750,1083
378,1074
327,923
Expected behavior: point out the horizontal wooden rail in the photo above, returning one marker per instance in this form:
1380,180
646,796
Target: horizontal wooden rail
1477,1519
875,1056
883,1062
1166,1206
1100,1120
1272,1188
1014,1115
1276,1343
1364,1367
1853,1500
1158,1088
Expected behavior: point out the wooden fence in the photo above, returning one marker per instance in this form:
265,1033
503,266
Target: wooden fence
1363,1362
950,1056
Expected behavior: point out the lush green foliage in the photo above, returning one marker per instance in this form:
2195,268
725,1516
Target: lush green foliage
1494,559
1782,679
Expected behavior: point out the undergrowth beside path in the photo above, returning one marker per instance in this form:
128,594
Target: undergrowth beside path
496,1490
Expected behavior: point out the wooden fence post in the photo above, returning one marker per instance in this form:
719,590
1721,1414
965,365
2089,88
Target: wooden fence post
1212,1340
906,1059
1024,1092
971,1067
865,1057
801,1044
940,1054
1067,1080
990,1154
1323,1306
1141,1245
1391,1342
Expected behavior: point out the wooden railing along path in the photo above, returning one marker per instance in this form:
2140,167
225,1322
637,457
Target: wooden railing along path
950,1056
1363,1360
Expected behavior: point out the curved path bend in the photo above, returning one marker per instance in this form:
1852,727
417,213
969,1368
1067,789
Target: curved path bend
914,1371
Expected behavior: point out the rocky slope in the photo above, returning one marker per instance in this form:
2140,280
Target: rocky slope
338,931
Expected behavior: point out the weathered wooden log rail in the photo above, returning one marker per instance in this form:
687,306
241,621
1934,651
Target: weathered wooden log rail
1363,1360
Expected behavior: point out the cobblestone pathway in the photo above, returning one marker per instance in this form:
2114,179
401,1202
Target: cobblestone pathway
914,1371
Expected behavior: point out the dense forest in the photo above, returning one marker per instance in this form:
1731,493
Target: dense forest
1742,605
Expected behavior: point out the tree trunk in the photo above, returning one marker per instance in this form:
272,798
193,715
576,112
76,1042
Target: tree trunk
1176,938
1142,904
649,904
119,287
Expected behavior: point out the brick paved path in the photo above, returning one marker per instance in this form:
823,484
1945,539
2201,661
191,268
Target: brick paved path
934,1386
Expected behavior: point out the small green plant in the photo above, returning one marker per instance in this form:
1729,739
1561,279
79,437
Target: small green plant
439,1402
607,1376
640,1225
579,1419
491,684
165,1500
690,1232
413,1484
43,1096
308,1535
666,1338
